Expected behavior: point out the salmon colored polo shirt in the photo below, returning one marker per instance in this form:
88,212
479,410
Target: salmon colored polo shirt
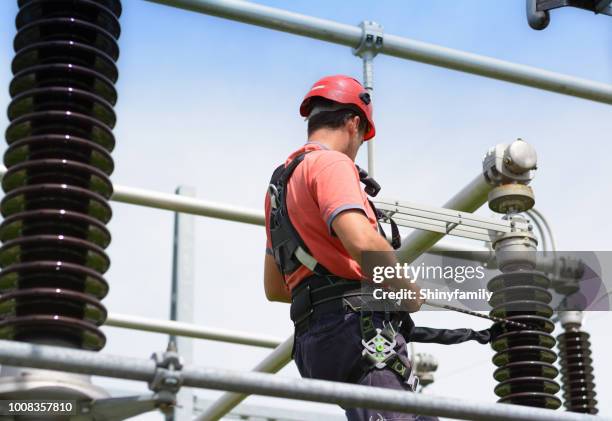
325,184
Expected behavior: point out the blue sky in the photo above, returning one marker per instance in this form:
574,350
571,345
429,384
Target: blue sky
213,104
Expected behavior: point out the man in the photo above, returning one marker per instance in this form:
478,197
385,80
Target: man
319,222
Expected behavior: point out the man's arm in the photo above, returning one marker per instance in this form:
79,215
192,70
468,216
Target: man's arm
274,284
357,236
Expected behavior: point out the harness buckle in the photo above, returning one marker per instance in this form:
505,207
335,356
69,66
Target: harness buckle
273,191
378,349
301,306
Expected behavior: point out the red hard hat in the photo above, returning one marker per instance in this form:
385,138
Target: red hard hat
344,90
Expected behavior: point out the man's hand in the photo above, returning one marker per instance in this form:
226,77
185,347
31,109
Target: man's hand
412,305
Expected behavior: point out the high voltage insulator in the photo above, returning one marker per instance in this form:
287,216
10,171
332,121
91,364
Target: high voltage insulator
577,371
525,357
57,184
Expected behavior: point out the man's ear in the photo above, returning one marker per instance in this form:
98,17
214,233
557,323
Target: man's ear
354,122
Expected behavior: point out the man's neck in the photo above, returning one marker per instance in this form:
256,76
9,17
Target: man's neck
331,139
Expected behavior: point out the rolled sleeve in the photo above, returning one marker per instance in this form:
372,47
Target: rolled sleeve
338,211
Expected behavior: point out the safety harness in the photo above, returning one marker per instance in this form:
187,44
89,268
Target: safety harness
288,248
325,291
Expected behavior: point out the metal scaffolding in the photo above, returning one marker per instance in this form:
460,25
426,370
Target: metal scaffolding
78,361
400,47
260,381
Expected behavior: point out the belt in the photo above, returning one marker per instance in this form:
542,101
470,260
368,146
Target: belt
317,295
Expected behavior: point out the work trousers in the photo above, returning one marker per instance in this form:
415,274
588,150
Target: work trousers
330,349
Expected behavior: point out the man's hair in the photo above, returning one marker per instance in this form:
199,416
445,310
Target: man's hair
333,119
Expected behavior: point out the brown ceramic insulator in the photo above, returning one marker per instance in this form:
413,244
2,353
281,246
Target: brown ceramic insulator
58,163
524,357
577,372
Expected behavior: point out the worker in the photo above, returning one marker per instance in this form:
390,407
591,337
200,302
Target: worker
319,221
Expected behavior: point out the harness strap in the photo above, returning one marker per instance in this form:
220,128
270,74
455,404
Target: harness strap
278,200
379,349
396,239
288,248
366,323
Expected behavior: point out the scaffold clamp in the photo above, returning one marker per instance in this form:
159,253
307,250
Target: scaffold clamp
372,39
168,378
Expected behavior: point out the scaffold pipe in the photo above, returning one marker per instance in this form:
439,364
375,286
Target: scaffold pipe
273,363
191,330
405,48
87,362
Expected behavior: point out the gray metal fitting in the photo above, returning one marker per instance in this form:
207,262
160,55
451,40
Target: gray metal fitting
537,19
571,319
372,39
513,163
168,376
424,367
515,250
567,274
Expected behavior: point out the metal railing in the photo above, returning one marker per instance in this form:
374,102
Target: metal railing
191,330
400,47
348,395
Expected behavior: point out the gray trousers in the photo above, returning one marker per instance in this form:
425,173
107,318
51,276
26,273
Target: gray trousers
331,349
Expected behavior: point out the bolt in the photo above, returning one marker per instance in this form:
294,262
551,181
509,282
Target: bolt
170,381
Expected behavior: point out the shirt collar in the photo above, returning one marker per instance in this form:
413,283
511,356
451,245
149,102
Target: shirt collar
325,147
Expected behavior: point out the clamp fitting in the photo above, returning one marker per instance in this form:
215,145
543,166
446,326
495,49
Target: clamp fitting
372,39
167,379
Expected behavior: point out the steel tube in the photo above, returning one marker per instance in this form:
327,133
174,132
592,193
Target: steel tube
190,330
349,35
469,199
182,297
276,360
368,83
348,395
176,203
476,253
173,202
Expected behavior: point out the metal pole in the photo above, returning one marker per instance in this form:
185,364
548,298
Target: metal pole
153,199
347,395
273,363
372,39
190,330
181,301
173,202
368,82
469,199
350,36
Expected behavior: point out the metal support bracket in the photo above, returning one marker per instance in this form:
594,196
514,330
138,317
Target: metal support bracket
449,221
116,409
538,11
168,378
372,39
